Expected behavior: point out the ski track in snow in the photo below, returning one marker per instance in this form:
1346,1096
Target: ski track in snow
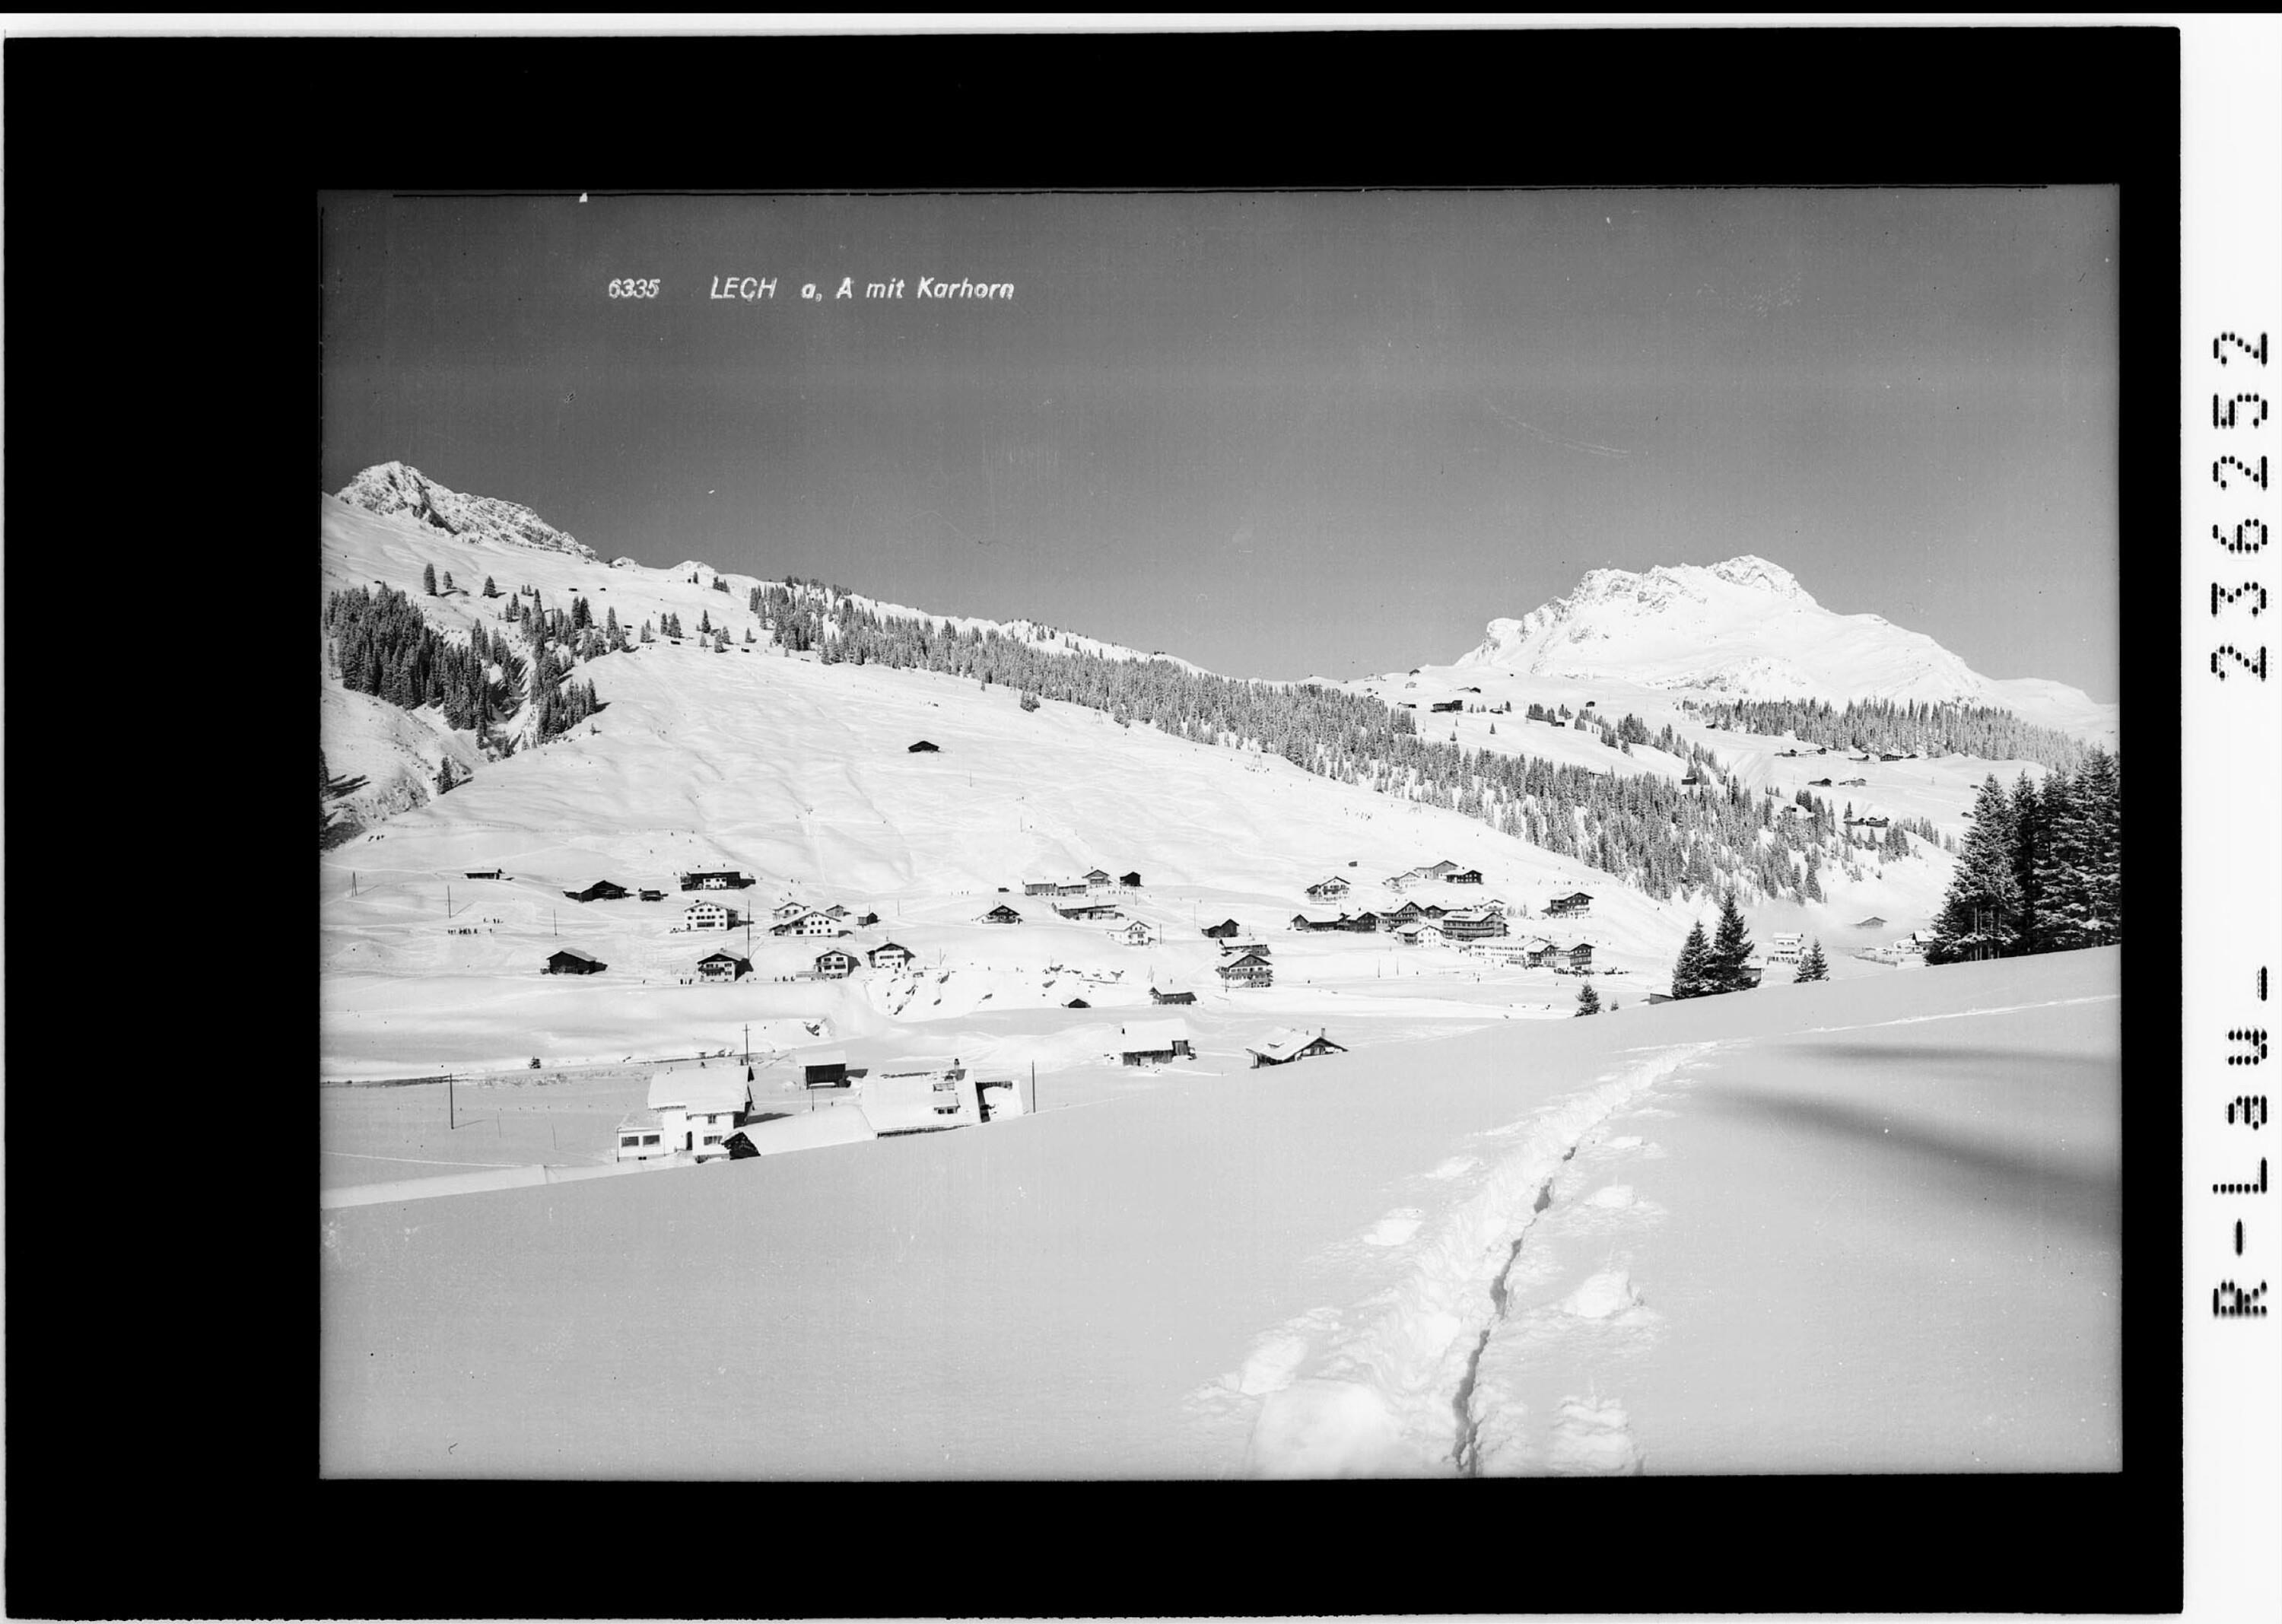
1387,1396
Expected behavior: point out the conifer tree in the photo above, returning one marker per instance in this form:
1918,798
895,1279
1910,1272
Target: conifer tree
1723,966
646,636
2031,834
2080,876
447,581
324,773
491,588
1813,888
704,623
1688,975
1813,967
1979,918
1588,1001
428,579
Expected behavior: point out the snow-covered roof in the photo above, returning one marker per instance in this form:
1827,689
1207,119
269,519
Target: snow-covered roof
821,1057
1286,1041
700,1093
896,1103
807,1129
1139,1037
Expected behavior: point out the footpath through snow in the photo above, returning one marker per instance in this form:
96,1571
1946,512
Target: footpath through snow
1391,1398
1860,1226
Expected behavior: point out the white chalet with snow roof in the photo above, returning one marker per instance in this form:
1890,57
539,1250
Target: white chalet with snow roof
889,956
1140,933
1324,891
812,923
642,1138
1491,951
707,916
788,910
696,1109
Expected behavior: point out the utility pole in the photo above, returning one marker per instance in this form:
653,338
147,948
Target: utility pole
1034,1088
450,1104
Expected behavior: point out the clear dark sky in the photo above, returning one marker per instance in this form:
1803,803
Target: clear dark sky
1279,434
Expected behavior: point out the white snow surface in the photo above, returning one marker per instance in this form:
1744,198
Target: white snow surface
1876,1227
1745,629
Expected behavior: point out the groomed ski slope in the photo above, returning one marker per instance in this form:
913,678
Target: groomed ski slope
1860,1226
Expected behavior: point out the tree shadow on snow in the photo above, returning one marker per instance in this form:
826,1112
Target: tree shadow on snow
2023,1174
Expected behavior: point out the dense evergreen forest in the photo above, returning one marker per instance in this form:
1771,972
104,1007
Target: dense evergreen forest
383,645
2041,871
1881,724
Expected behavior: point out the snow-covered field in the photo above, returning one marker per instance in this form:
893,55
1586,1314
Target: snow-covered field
1869,1226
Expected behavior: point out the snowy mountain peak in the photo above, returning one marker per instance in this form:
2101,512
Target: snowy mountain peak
396,488
1741,629
1748,569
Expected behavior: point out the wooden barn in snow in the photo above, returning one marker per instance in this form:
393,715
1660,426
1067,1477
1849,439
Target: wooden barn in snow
1002,915
571,961
1156,997
1226,929
601,891
1143,1043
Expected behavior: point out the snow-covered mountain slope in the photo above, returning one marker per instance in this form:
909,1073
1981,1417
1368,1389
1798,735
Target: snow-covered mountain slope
388,488
1746,629
798,772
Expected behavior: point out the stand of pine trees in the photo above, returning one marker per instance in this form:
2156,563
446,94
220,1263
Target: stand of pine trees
1923,726
385,647
2042,869
1706,968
